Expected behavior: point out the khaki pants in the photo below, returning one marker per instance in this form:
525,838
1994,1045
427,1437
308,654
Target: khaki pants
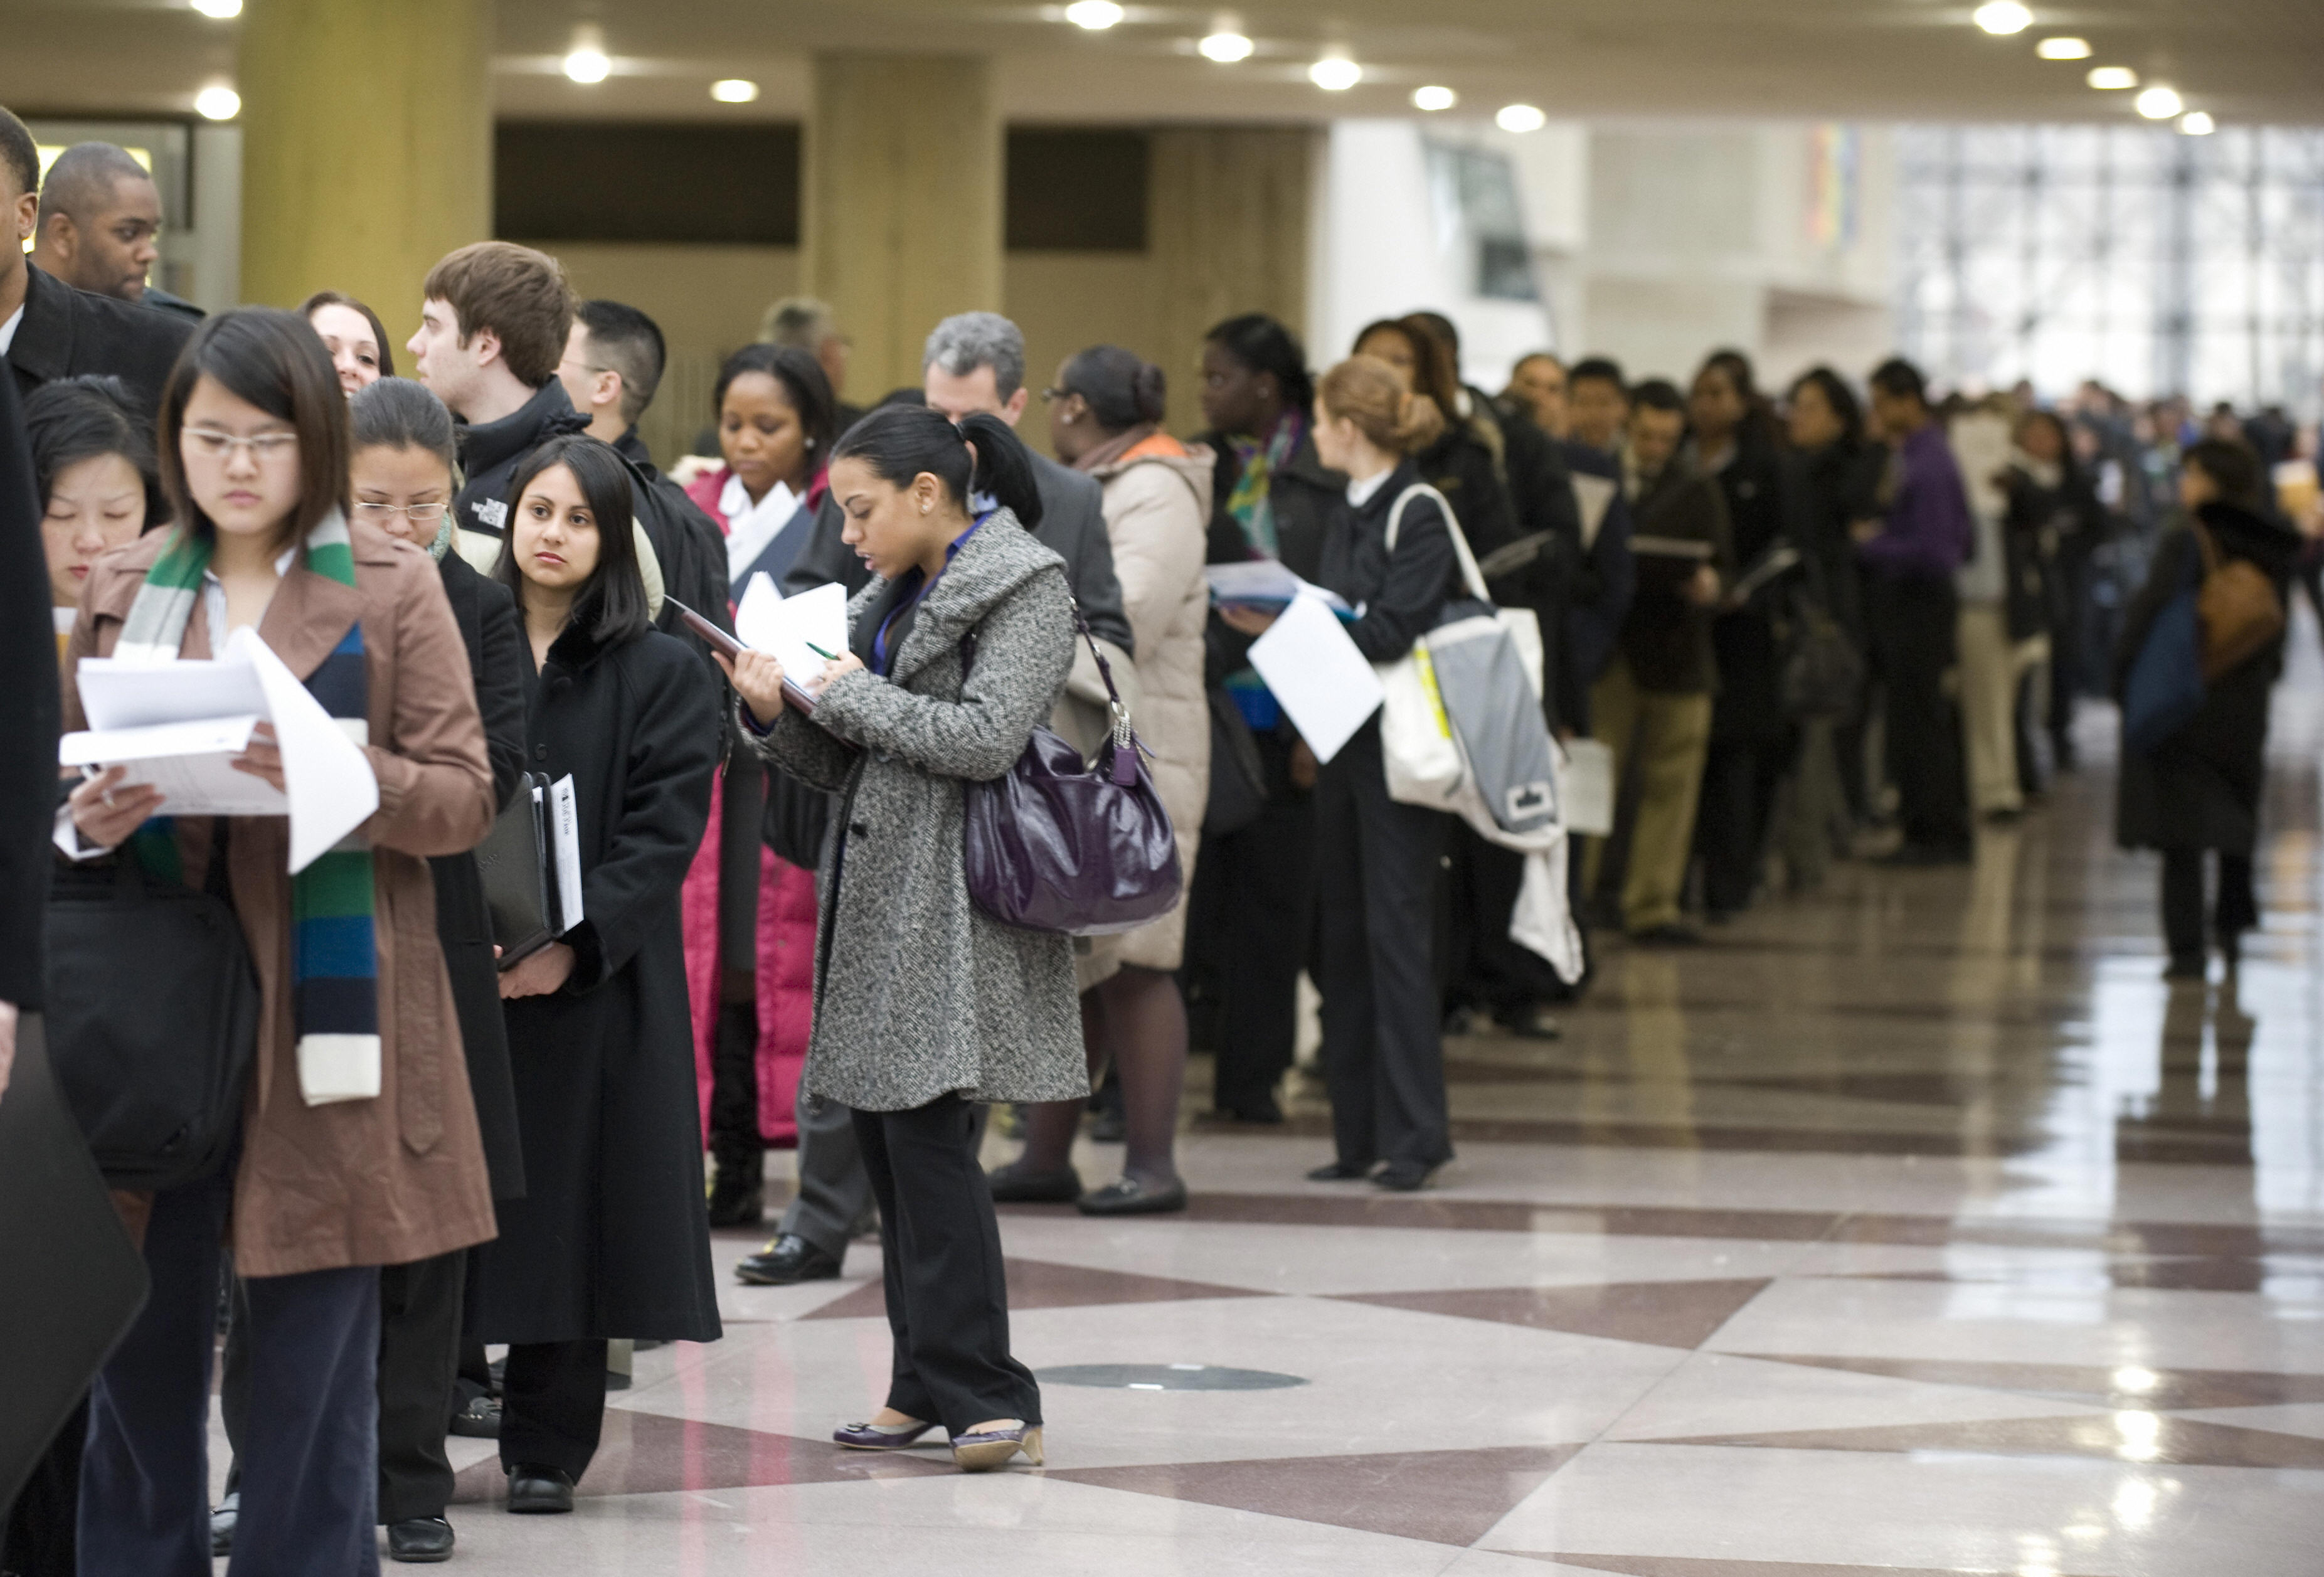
1671,735
1991,665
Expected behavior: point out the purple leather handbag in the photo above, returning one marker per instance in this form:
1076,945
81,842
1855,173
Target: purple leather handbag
1058,844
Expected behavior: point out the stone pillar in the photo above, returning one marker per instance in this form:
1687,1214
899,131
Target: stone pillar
1227,230
367,148
901,203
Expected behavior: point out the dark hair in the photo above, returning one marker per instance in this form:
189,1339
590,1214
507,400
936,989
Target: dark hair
1900,380
612,607
378,329
1439,327
804,385
518,293
396,413
1658,394
271,359
2232,464
1124,389
1604,369
632,344
83,176
72,420
19,152
1263,346
899,442
1433,372
1843,400
1758,418
1551,357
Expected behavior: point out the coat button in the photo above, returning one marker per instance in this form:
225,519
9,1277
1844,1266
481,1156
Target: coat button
859,829
540,753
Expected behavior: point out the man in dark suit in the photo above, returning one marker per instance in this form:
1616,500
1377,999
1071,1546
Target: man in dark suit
49,329
100,227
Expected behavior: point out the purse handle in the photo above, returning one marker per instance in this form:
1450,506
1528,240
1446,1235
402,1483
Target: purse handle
1126,742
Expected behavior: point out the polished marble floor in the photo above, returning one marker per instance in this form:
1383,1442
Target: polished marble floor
1914,1227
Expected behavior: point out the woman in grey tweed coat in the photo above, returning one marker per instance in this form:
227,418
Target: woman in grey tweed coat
922,1004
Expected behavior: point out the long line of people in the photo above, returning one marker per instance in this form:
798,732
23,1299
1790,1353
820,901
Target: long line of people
1784,626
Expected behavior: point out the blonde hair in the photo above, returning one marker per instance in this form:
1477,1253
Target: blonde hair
1368,391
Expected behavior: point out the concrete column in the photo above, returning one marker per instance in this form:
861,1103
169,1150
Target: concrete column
902,195
367,148
1228,231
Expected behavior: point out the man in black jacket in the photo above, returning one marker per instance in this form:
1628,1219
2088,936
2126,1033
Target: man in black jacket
100,227
49,330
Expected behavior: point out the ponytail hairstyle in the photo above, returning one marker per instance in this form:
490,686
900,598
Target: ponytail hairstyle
396,413
1367,391
899,442
1122,389
612,608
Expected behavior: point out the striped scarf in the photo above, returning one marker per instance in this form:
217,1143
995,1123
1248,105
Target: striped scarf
1251,503
335,952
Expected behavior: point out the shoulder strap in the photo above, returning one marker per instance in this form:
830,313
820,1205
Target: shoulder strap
1470,577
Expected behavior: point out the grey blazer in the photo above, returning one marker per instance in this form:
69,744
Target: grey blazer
918,993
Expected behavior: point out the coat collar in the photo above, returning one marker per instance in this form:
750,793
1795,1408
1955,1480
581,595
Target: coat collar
548,413
995,560
44,338
308,617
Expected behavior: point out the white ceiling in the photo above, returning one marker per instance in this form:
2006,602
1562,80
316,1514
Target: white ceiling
2245,60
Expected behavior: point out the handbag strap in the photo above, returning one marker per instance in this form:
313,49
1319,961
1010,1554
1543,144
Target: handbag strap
1126,744
1470,576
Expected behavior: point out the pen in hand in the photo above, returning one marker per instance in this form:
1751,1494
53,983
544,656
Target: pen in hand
819,652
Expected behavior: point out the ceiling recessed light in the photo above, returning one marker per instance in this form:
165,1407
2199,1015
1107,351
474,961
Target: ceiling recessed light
218,10
585,61
1433,98
1226,48
2195,123
2112,79
2158,103
1520,117
1335,74
217,102
734,91
2063,48
1096,15
2002,17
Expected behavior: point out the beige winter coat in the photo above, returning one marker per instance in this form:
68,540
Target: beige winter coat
1157,511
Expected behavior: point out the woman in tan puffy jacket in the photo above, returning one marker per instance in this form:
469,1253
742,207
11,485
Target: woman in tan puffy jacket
1106,416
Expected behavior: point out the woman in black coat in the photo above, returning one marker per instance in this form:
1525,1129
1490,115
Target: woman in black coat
1839,472
610,1239
2055,522
2201,789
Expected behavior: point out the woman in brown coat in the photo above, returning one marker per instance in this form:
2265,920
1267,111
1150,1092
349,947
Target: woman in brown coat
254,444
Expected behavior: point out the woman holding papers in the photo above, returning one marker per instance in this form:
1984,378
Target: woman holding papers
609,1239
328,1183
750,915
923,1004
1378,860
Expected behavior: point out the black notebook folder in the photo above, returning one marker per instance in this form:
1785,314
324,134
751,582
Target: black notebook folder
520,876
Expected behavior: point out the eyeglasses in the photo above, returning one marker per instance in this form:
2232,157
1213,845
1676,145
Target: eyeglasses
1051,396
211,444
419,514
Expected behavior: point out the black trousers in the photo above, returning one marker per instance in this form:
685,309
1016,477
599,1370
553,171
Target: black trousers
2234,911
1379,863
1250,923
1740,776
310,1442
1912,619
37,1539
940,1257
553,1404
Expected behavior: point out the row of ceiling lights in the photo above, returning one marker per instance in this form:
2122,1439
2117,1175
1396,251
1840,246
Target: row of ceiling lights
2157,101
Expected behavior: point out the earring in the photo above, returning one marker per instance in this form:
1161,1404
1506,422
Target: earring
810,443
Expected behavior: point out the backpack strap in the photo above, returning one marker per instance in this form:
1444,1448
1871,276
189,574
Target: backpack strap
1470,576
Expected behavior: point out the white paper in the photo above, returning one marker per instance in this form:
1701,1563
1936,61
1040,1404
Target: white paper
1263,580
338,1068
1585,786
565,833
1316,671
787,629
66,618
191,763
328,778
116,694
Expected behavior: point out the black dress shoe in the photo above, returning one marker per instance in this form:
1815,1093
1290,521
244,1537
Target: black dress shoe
1128,1197
537,1490
787,1260
423,1539
478,1419
223,1517
743,1205
1018,1184
1403,1176
1262,1112
1339,1171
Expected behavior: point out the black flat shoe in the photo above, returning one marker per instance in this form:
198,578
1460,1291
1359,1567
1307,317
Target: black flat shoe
538,1490
1339,1171
1017,1184
1263,1113
1403,1176
787,1260
479,1418
1129,1196
1668,935
421,1540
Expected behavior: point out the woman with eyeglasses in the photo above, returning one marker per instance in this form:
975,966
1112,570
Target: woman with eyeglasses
321,1193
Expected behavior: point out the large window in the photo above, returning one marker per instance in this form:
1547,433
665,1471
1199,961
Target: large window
2157,262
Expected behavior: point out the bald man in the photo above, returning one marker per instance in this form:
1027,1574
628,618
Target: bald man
100,227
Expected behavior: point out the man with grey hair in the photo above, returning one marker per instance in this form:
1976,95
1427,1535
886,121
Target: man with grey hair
100,227
973,362
811,326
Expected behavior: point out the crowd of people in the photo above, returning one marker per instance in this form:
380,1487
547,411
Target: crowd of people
1847,620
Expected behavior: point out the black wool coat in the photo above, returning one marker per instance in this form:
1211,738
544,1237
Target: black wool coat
30,714
610,1239
2201,789
66,333
1765,512
485,612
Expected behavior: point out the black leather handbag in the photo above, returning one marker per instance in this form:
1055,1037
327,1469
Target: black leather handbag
153,1021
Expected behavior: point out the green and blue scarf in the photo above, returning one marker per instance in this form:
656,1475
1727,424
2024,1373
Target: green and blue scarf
335,948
